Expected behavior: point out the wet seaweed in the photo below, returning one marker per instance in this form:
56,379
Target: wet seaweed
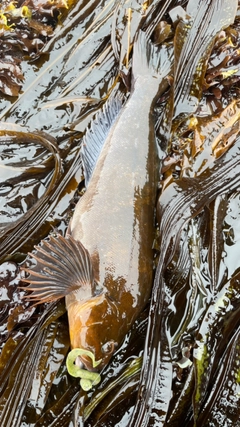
54,81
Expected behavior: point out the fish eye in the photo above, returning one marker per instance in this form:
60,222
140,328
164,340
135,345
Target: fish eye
97,288
108,347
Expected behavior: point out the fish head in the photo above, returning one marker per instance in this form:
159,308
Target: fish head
94,326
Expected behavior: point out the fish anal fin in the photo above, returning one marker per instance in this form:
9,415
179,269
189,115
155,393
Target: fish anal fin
63,266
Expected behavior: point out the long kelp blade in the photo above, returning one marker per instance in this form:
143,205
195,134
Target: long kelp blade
211,139
39,79
139,15
194,38
15,396
83,46
19,364
211,333
190,300
75,54
222,405
70,73
222,305
15,234
181,201
128,375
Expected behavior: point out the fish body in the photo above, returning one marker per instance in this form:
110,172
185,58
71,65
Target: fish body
114,220
111,233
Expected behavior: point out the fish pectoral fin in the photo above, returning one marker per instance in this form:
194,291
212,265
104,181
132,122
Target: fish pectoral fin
96,134
63,265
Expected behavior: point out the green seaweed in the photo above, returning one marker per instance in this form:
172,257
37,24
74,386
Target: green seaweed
88,379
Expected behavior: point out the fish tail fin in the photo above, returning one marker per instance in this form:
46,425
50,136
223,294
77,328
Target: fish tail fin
149,59
63,266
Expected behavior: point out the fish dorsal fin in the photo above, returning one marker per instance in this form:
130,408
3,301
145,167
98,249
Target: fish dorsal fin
97,133
63,266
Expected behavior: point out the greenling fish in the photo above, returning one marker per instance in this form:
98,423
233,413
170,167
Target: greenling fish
103,267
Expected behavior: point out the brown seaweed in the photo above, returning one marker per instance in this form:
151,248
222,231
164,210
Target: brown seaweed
185,194
24,29
196,289
155,381
191,57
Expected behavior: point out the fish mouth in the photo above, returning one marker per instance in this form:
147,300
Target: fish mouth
79,356
74,367
88,364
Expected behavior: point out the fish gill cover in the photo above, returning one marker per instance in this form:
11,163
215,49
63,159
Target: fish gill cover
59,63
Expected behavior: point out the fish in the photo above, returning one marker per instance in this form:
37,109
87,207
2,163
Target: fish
104,264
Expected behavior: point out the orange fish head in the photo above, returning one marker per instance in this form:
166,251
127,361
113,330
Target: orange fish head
94,326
